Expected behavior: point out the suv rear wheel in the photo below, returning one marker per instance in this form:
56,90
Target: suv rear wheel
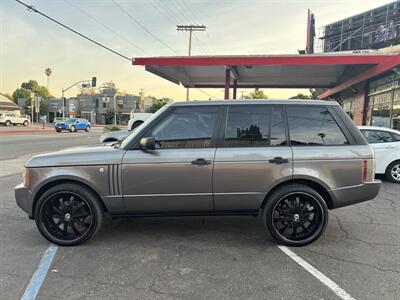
68,214
26,123
8,123
295,215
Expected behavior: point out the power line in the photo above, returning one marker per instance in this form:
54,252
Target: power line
143,27
104,25
205,93
31,8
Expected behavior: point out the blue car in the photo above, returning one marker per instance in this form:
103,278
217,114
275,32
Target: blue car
72,125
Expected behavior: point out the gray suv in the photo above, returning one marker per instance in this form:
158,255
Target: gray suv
288,161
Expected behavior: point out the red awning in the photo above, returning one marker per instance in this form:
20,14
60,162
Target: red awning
334,71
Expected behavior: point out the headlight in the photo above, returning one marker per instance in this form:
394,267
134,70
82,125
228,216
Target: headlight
26,176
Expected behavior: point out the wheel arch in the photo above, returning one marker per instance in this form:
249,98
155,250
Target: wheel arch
312,183
48,185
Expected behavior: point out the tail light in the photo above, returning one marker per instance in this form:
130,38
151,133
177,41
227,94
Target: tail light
368,170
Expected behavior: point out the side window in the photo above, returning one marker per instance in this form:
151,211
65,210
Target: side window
186,127
378,136
311,125
396,137
254,126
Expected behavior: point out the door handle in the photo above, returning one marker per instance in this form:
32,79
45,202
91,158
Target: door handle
278,160
201,162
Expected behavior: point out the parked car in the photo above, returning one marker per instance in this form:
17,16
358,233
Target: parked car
73,125
290,161
114,136
9,119
137,119
386,143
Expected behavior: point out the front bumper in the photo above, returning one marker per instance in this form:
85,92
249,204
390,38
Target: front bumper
354,194
60,127
23,198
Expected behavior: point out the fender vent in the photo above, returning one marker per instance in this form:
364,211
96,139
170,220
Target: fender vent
114,180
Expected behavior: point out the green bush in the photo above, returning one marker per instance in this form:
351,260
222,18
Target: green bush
111,128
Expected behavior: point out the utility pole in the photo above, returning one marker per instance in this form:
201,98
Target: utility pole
190,28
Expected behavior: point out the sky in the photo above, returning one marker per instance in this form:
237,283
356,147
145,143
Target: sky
30,43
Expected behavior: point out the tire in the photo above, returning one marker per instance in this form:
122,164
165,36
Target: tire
8,123
292,208
136,124
58,221
72,129
393,172
87,128
26,123
58,130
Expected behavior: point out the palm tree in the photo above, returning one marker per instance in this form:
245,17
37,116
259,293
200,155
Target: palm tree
48,73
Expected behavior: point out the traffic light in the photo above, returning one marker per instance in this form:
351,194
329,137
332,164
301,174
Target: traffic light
93,81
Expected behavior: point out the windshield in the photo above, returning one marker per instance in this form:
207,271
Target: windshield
71,120
134,133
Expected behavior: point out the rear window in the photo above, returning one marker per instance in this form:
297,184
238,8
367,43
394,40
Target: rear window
313,125
254,126
378,136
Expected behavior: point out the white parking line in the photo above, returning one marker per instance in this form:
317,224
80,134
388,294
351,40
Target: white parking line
38,277
317,274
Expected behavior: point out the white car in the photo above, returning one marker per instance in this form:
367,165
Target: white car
386,143
137,119
9,119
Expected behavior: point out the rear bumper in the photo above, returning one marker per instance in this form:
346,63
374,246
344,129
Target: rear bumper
23,198
354,194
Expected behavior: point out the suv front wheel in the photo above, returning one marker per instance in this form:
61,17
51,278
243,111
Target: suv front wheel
68,214
295,215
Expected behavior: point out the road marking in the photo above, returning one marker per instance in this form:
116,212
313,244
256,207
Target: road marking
38,277
342,294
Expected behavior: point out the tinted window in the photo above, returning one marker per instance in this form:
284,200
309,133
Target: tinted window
378,136
396,137
186,127
254,126
310,125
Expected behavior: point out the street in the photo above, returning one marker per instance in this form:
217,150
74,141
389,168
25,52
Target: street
195,257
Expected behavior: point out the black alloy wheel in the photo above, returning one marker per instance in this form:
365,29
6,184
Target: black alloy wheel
296,215
68,214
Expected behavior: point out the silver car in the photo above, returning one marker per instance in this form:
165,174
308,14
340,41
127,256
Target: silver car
288,161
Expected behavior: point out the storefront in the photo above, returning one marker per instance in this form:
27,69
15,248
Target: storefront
384,101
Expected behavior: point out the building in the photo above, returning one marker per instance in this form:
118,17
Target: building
376,99
8,106
373,29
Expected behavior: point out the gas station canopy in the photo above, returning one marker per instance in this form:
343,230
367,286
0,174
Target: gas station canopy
332,71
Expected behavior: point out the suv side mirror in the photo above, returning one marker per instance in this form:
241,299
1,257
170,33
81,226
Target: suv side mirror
148,143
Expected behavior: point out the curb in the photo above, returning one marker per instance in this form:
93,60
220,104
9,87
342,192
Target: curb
26,131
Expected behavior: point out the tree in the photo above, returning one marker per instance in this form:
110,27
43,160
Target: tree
25,91
156,106
48,72
316,92
108,88
300,96
109,115
256,94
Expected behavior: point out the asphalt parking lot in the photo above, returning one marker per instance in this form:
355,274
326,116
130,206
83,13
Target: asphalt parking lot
196,257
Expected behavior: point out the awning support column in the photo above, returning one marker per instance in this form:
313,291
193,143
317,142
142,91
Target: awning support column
227,82
234,88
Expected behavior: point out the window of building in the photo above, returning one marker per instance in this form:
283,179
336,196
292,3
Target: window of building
254,126
186,127
313,126
104,104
